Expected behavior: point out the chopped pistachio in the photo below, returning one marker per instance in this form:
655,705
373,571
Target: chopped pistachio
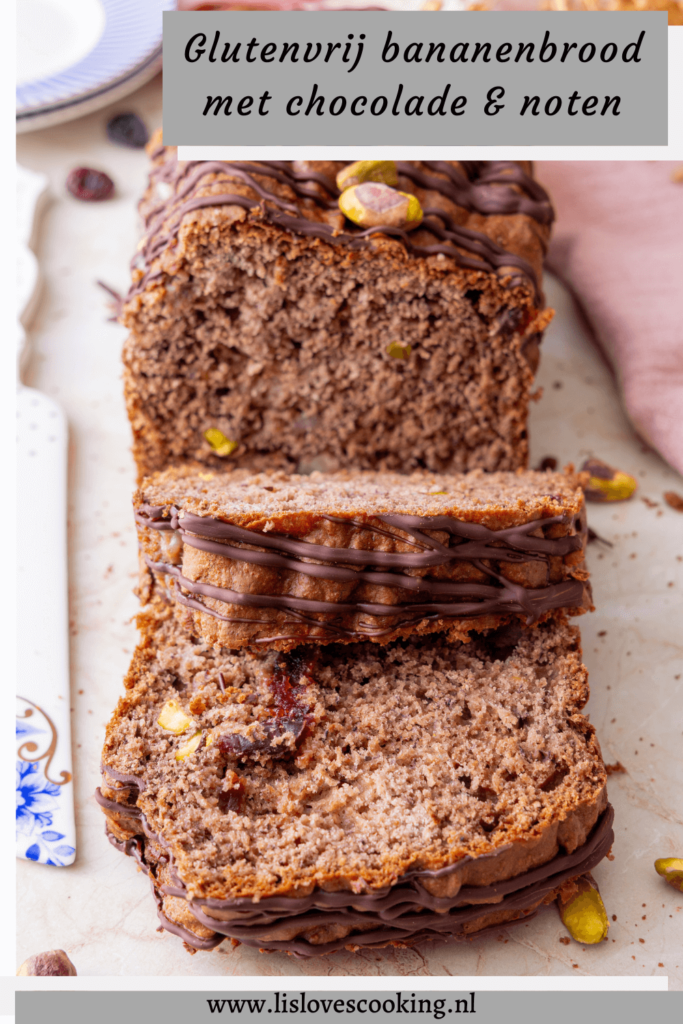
606,483
189,747
373,204
173,718
583,912
398,351
367,170
219,442
671,869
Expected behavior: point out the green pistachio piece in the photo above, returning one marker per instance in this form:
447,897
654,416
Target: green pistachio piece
671,869
367,170
373,205
399,351
189,748
583,912
173,718
607,484
219,442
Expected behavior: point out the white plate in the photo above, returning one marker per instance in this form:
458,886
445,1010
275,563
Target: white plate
75,56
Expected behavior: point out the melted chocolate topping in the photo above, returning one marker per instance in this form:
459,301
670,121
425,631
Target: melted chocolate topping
403,911
468,541
492,188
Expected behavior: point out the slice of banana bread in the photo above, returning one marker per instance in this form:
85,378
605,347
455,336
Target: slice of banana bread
273,560
260,315
350,796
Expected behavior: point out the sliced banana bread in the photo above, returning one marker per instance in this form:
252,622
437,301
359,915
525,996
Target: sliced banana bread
351,796
273,560
260,314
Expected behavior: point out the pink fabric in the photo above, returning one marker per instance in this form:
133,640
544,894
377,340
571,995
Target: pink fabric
618,245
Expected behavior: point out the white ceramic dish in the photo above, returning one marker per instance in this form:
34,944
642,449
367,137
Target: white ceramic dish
45,827
75,56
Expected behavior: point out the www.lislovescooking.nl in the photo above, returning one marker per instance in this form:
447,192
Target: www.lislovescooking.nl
301,1003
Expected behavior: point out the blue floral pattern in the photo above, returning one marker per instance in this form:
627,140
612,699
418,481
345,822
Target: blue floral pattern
37,803
39,812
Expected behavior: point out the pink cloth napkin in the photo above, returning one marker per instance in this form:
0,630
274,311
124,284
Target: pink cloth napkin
618,245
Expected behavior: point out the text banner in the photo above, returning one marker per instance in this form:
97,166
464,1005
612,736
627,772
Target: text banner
318,1007
254,78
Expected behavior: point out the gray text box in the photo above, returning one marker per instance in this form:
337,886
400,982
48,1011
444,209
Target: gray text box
353,1006
415,78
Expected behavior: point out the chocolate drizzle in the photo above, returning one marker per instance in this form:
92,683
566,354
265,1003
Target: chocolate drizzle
492,188
469,542
400,912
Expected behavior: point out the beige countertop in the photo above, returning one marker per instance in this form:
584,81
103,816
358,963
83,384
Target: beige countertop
100,910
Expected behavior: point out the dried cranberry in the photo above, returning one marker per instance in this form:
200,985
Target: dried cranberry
288,721
293,672
280,738
85,183
127,130
233,800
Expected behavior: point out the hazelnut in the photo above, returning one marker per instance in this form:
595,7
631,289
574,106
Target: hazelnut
51,964
221,445
173,718
582,911
383,171
372,204
671,870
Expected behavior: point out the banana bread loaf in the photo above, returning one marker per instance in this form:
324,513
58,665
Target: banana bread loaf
260,316
275,560
354,796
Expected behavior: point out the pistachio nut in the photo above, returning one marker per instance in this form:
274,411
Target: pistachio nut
398,351
373,204
671,869
582,911
606,483
219,442
189,747
173,718
367,170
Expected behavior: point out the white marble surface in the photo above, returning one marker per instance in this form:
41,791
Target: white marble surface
99,910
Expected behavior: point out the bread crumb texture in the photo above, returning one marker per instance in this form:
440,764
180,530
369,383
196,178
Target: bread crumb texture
252,499
344,767
287,343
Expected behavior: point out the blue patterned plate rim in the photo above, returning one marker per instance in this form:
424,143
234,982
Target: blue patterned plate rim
26,115
131,40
